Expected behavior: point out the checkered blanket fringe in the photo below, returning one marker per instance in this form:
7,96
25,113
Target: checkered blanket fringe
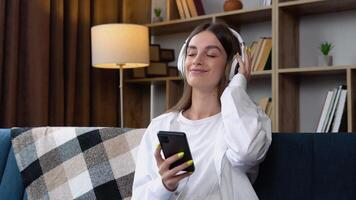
76,163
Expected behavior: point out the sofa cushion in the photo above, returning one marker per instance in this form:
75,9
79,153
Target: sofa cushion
80,163
334,166
287,168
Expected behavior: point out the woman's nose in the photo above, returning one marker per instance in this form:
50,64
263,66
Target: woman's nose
198,59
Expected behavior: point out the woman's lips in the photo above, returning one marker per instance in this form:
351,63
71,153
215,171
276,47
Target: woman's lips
197,71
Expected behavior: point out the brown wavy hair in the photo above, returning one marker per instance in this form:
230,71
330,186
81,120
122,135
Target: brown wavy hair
231,46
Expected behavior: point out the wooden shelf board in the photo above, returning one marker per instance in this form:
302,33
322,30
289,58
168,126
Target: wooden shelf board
246,15
177,26
315,70
262,74
309,7
156,79
187,25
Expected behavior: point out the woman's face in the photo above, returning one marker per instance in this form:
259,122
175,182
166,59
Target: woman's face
205,61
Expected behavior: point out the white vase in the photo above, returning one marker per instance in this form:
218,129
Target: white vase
325,60
157,19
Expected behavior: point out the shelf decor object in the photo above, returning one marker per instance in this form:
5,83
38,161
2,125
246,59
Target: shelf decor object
232,5
120,46
325,59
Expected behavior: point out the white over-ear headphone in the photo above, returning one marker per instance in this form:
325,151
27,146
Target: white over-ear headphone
182,55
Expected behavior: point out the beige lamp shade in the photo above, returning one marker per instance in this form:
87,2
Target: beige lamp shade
120,45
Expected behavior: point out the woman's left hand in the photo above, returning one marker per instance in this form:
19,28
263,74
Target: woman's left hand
245,66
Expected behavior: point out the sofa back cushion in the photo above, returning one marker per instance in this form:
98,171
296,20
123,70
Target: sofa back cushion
309,166
76,163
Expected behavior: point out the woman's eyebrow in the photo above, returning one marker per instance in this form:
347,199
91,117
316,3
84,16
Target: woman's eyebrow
192,47
213,47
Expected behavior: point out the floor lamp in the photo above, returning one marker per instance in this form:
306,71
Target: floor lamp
120,46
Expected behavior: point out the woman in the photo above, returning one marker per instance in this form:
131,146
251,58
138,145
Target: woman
227,134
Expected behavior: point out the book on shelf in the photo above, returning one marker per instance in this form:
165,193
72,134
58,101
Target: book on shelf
340,119
180,9
192,8
332,110
199,6
139,72
337,92
268,65
166,55
255,49
265,103
326,106
155,52
267,2
269,108
261,53
173,71
186,9
157,69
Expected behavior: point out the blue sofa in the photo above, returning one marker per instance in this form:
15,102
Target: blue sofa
299,166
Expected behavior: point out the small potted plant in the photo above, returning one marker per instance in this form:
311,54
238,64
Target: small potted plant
157,17
325,59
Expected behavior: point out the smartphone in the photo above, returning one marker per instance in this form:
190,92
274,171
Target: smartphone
174,142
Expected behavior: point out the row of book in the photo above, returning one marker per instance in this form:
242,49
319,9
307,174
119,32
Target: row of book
261,53
265,103
190,8
159,59
267,2
333,115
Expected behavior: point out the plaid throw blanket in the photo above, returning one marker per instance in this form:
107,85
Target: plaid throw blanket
76,163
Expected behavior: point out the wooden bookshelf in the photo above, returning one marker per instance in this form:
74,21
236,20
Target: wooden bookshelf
232,17
315,70
286,75
309,7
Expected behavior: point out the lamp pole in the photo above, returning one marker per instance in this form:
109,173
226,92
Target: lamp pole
121,68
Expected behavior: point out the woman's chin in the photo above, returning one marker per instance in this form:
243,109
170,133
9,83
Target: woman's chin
199,82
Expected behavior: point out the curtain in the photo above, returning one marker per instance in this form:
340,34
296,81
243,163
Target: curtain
46,78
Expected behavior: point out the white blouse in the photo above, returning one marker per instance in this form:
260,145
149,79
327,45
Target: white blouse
226,149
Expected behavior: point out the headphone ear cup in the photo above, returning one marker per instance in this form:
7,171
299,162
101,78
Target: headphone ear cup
181,60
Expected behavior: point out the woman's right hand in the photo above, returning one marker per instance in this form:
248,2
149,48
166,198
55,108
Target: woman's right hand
170,178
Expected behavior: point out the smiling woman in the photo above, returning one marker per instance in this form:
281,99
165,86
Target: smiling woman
228,134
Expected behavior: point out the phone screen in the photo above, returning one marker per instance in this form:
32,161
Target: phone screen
173,143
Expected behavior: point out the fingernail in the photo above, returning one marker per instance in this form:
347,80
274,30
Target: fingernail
157,146
190,162
181,154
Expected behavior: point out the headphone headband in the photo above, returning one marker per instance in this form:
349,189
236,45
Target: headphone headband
182,54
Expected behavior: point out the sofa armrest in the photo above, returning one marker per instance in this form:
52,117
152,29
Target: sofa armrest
11,186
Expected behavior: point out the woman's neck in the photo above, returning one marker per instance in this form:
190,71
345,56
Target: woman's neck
204,104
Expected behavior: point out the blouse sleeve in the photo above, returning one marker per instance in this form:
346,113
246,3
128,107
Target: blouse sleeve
147,181
247,131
